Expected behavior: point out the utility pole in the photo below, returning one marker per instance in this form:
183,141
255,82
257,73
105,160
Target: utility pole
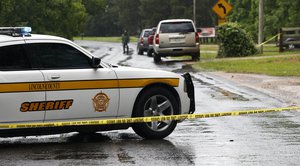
194,12
261,24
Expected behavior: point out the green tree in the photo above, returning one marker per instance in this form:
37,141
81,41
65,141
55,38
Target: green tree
99,18
181,9
245,12
205,16
129,15
294,14
234,41
6,8
152,11
277,14
109,17
59,17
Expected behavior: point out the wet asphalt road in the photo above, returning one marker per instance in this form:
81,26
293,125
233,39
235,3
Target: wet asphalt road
261,139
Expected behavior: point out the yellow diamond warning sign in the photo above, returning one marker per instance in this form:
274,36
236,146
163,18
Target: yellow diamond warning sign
222,8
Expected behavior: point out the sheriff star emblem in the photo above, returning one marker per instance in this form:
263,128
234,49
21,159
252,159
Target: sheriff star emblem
101,102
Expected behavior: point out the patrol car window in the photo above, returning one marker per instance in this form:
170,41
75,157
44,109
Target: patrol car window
59,56
13,58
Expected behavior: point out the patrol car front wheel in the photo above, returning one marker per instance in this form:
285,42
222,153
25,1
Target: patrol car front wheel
155,102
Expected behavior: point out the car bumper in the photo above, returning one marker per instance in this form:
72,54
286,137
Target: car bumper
190,91
177,51
143,47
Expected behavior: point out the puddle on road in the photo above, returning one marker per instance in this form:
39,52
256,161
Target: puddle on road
123,157
91,49
129,56
75,155
223,92
232,96
103,56
220,91
108,148
185,68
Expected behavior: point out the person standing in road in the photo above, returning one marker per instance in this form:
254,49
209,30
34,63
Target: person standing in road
125,41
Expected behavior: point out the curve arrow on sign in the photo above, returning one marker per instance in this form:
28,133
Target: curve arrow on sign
221,6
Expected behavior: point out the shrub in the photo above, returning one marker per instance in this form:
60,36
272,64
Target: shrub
234,41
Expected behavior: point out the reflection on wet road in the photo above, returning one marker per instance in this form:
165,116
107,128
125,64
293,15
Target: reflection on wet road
111,148
260,139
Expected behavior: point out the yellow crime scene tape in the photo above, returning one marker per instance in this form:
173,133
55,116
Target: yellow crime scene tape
268,40
142,119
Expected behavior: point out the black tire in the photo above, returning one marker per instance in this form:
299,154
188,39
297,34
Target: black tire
156,58
196,56
156,101
140,52
150,53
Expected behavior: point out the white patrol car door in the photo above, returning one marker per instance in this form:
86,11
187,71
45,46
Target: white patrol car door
75,90
19,102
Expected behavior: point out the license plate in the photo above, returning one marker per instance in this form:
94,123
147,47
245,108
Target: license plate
177,40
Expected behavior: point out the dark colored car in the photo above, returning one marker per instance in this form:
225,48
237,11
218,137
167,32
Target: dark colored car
290,43
142,44
150,42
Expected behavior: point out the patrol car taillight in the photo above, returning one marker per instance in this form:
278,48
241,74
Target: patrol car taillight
16,31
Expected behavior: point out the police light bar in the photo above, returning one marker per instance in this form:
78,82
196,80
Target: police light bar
16,31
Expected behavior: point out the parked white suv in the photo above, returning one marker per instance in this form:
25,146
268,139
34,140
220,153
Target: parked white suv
176,37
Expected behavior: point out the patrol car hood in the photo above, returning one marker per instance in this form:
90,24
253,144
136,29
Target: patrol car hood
130,72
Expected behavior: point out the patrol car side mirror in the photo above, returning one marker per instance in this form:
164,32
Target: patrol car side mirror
96,62
199,30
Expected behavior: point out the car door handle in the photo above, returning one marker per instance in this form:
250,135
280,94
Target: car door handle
55,77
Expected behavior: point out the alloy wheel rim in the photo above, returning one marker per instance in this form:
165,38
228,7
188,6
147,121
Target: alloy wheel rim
158,105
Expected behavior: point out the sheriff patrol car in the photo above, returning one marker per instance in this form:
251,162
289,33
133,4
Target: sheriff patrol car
48,79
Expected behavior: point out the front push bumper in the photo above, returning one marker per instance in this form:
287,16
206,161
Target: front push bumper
190,91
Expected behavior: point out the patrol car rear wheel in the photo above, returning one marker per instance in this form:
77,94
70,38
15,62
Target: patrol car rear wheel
155,102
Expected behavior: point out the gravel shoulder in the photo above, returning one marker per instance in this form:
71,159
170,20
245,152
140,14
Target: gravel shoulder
286,89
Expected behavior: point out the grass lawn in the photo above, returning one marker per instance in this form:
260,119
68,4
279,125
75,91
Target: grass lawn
281,66
210,51
288,65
